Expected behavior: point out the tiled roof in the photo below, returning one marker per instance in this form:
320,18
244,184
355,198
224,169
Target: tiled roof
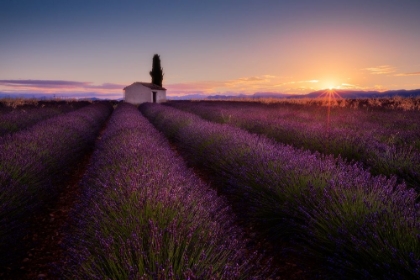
149,85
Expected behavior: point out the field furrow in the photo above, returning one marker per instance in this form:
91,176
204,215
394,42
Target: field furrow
22,118
33,163
145,215
385,141
359,225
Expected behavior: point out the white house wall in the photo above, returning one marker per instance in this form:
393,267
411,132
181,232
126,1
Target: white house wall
160,96
137,94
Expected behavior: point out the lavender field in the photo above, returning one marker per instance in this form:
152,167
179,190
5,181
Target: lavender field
209,190
385,141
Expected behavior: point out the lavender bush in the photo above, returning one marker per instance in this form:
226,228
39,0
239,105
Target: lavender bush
385,141
361,226
145,215
33,162
17,120
25,116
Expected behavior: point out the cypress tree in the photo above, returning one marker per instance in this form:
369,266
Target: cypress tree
157,71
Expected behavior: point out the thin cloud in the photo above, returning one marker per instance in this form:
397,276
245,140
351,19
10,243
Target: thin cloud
200,85
267,83
57,84
243,85
348,86
380,70
255,79
251,79
77,95
296,82
59,88
408,74
108,86
42,83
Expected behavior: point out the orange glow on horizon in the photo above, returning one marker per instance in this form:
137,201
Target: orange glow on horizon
330,95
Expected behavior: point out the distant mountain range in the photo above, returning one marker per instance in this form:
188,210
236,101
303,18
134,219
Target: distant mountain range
368,94
341,92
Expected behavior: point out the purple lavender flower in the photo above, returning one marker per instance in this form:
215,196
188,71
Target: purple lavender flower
143,213
386,141
362,226
32,163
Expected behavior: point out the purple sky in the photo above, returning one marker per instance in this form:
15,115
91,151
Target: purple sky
209,47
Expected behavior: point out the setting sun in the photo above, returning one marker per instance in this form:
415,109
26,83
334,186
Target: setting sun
329,83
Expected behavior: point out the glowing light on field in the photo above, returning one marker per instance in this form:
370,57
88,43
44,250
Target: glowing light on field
329,96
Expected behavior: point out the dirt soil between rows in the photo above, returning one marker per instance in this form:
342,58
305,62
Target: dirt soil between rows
49,228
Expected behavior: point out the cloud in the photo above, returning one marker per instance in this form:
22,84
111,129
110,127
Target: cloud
295,82
348,86
57,84
42,83
408,74
379,70
240,85
78,95
108,86
243,85
251,79
59,88
200,85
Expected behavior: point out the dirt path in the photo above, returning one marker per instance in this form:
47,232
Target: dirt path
49,228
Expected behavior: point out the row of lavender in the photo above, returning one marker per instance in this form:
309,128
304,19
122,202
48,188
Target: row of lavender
361,226
145,215
385,126
388,142
393,103
33,162
21,118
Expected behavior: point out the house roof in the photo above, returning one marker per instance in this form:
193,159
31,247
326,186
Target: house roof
149,85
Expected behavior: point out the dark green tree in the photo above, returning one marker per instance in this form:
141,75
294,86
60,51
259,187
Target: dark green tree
157,71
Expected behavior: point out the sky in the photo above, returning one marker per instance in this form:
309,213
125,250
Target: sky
96,48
